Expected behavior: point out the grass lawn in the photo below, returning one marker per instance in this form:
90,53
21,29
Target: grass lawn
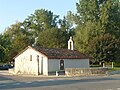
114,69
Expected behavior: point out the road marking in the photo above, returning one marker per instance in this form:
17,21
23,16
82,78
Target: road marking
16,84
46,80
50,79
2,85
41,80
28,82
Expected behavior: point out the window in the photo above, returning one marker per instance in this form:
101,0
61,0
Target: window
30,57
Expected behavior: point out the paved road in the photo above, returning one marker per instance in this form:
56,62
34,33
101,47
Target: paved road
14,82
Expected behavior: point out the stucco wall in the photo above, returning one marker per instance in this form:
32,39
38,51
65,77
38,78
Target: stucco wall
76,63
45,66
54,64
23,65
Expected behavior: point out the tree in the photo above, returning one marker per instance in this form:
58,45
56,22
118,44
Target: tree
104,48
4,47
52,38
2,53
19,43
15,38
41,20
110,17
87,10
86,20
42,24
84,34
96,17
59,35
1,49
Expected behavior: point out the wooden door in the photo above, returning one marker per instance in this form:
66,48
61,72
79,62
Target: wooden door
61,64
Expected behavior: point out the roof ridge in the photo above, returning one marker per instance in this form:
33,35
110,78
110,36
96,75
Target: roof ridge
57,53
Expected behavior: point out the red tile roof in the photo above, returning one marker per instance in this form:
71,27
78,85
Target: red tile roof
53,53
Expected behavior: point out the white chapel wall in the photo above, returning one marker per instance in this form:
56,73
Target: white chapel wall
45,66
23,65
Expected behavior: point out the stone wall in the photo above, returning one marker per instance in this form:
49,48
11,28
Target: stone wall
85,71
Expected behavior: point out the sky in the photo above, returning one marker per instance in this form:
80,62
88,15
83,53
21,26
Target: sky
17,10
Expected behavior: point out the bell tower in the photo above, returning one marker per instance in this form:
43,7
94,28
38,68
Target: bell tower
70,44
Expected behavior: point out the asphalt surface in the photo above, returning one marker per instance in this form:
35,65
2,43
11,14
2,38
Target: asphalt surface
15,82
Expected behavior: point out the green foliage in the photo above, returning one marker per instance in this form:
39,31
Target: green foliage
14,40
104,48
51,31
81,39
95,27
52,38
87,23
88,10
110,17
106,13
84,34
18,44
1,53
95,18
41,20
4,47
114,69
